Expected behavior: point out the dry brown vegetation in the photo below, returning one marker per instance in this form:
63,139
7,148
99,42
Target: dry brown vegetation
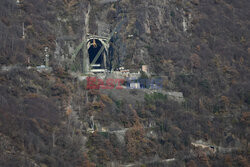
41,113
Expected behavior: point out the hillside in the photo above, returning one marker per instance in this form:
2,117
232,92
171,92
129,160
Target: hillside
198,49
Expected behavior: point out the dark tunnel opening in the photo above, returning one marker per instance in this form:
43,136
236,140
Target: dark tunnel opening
93,50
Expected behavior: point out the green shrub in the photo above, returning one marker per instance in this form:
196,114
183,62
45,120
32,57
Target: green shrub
205,86
152,98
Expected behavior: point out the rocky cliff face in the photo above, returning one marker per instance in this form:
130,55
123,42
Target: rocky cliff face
200,49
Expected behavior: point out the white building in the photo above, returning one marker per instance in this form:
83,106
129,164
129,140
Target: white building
135,85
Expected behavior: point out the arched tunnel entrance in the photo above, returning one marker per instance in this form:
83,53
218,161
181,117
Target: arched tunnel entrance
94,46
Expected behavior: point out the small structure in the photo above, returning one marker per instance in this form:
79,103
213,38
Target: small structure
135,85
96,66
41,68
98,70
23,36
130,36
46,49
123,70
19,4
145,68
154,86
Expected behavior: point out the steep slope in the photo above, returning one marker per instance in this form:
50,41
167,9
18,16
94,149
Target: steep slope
198,47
